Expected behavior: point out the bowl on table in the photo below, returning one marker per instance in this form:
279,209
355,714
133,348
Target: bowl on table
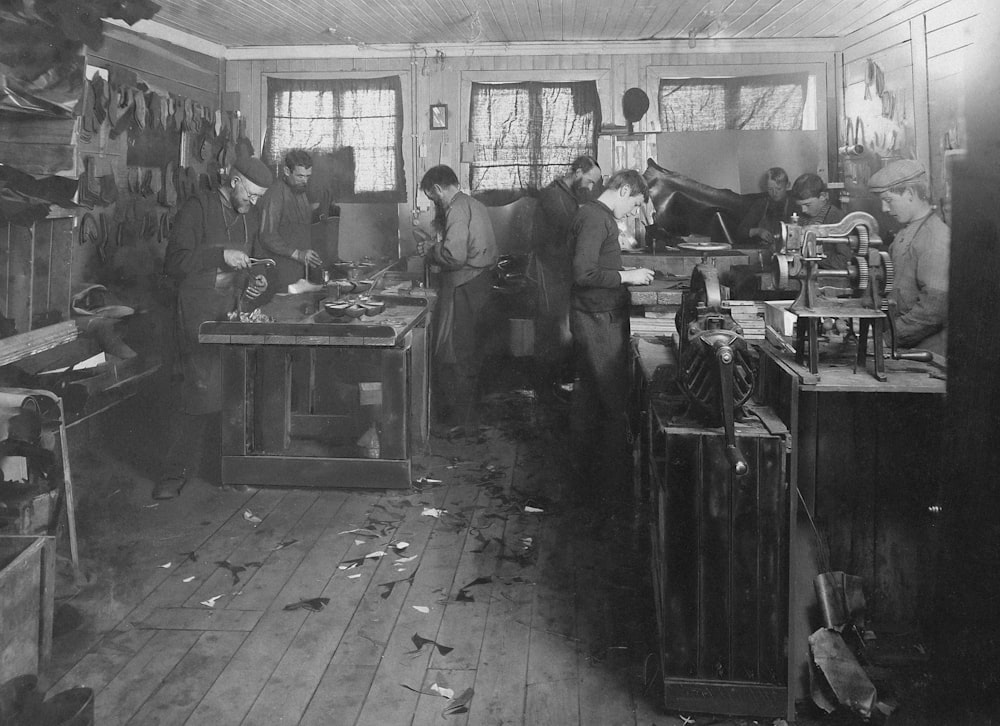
373,307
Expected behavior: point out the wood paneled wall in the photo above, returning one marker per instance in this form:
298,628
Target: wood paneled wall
922,52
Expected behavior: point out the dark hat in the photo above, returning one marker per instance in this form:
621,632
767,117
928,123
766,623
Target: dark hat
895,174
254,170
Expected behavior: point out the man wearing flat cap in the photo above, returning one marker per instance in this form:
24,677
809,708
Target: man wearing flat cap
920,253
208,255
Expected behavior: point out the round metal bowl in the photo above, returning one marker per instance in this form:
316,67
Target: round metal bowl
336,307
354,311
373,307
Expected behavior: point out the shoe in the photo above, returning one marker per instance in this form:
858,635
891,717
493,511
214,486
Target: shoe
168,488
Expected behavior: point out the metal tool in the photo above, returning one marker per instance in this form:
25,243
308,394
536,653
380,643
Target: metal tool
715,369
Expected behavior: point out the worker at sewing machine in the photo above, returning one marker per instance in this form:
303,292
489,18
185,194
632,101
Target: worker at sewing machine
813,200
920,254
762,223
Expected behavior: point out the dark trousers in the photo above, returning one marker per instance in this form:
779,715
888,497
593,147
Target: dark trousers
456,381
599,415
192,439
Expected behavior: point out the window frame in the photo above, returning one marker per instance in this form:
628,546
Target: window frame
601,76
406,91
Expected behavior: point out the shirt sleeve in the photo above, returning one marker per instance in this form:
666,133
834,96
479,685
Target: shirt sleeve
929,313
271,239
452,250
187,250
587,270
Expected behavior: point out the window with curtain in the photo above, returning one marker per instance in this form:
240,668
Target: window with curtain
785,102
525,134
355,125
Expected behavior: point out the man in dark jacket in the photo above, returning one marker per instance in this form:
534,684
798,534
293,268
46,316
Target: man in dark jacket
813,200
209,256
286,217
557,205
600,327
465,251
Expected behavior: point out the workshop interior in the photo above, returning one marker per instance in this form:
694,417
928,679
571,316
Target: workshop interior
315,410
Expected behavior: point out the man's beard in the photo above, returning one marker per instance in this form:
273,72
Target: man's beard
299,190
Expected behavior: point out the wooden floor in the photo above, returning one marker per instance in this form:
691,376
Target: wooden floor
522,616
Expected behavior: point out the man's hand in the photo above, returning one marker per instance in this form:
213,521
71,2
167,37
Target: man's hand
638,276
256,287
762,234
237,259
310,257
422,238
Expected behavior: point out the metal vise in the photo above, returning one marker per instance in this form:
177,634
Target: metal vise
715,370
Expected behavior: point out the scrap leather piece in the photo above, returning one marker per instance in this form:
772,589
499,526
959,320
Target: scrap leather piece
845,676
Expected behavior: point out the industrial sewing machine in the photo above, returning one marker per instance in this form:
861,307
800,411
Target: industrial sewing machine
716,371
859,292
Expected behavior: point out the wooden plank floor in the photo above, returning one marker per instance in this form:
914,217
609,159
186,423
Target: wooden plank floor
524,617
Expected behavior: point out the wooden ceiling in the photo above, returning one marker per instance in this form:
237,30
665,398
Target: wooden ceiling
248,23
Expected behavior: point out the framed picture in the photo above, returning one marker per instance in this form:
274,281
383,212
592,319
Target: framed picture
439,116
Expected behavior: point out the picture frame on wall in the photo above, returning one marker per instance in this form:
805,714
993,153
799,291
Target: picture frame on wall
439,116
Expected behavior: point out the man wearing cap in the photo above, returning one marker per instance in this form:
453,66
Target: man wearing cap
813,200
286,217
209,257
557,205
920,253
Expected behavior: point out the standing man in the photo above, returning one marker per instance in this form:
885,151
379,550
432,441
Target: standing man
813,200
286,217
600,326
557,205
209,257
920,254
465,251
762,223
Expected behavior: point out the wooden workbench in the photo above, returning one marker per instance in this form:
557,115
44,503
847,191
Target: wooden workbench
865,464
301,393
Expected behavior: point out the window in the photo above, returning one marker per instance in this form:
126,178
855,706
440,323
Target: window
783,102
525,134
357,124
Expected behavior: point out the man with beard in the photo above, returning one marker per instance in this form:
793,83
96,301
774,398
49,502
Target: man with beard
465,250
557,205
209,256
920,254
286,216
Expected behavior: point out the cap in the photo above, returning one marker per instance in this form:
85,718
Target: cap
254,170
895,174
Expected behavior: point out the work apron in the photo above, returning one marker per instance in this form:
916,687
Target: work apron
201,391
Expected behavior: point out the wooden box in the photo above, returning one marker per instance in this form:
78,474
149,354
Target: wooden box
27,509
27,584
720,565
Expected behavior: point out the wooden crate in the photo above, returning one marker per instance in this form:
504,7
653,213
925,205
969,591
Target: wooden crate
27,585
720,566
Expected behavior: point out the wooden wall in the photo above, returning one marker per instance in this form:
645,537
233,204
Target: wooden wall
41,264
922,52
433,79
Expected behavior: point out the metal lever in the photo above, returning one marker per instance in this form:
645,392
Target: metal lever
724,356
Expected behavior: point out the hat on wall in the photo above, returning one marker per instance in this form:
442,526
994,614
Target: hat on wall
895,174
254,170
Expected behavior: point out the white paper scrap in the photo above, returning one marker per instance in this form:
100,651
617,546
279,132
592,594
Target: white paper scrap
422,609
210,603
375,555
354,577
533,510
188,579
250,517
432,512
446,692
401,560
167,565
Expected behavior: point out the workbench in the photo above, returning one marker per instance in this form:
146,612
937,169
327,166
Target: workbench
866,467
311,400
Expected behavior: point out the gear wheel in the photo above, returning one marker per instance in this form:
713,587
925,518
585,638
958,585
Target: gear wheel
863,240
864,276
889,276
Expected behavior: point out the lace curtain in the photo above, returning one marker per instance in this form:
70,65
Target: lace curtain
356,119
775,102
526,134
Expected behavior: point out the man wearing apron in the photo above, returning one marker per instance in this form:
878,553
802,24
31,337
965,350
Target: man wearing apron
209,256
465,251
